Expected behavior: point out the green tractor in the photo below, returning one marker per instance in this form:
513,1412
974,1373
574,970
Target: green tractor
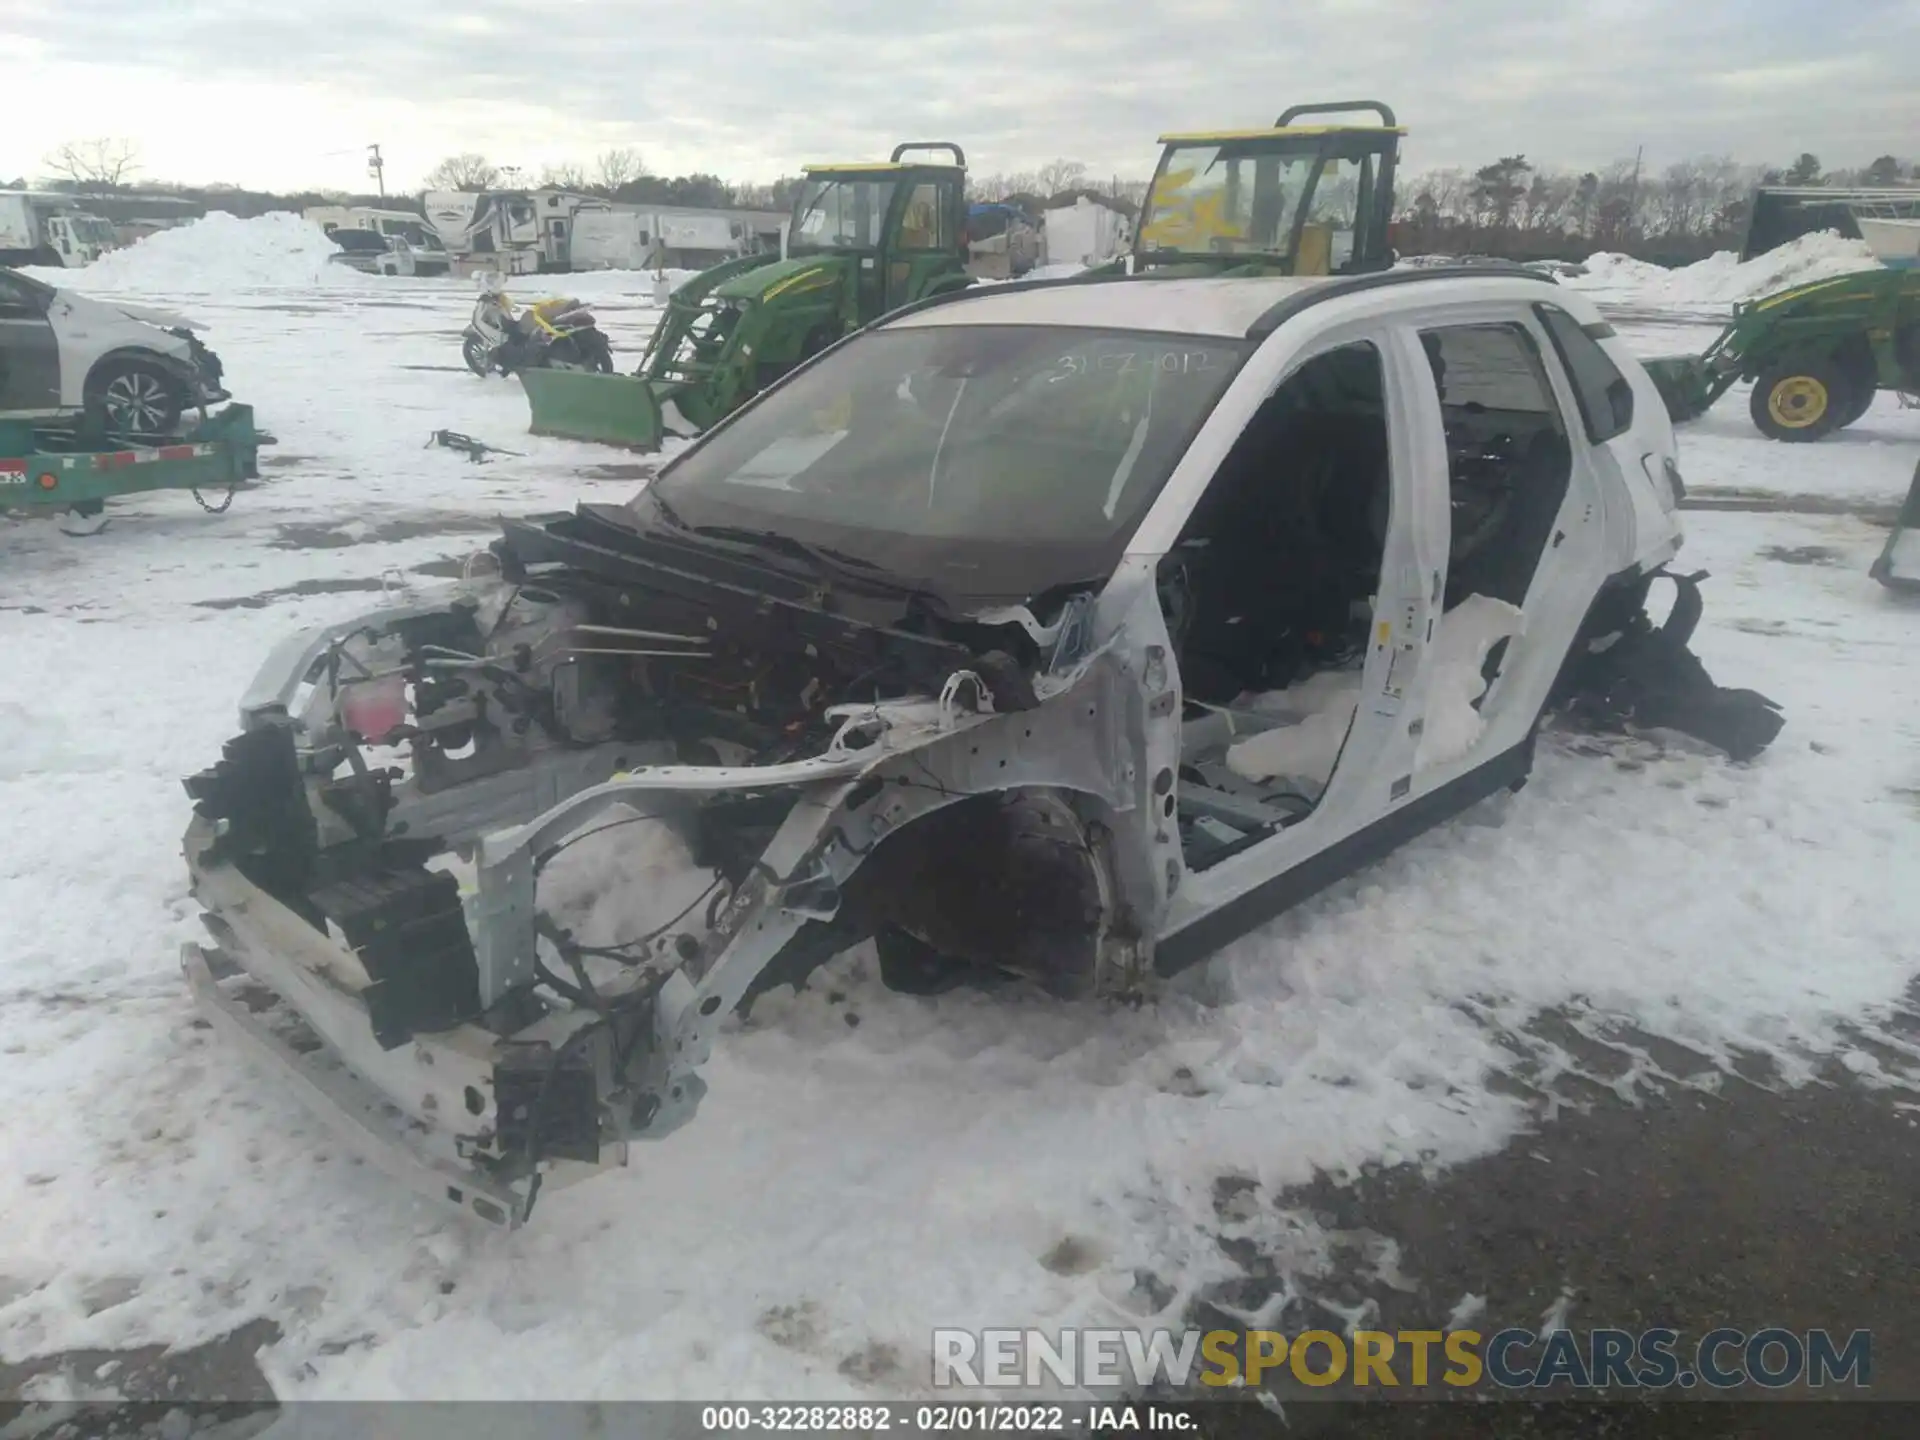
864,239
1816,354
1291,200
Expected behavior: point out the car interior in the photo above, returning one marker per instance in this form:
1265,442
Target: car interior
1509,459
1269,593
1269,596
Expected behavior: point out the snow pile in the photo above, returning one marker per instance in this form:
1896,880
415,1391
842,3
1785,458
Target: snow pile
1610,271
1468,633
1307,749
218,252
1721,279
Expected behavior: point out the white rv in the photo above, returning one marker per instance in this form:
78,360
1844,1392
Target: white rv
514,232
608,237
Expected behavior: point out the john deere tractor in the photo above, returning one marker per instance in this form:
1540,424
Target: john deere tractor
1291,200
864,239
1817,354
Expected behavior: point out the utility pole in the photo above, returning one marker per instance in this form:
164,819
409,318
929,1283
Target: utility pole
377,168
1633,213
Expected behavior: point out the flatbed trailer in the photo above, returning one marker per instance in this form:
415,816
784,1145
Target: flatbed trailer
44,468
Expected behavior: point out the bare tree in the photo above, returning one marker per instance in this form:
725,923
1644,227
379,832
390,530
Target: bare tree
1680,198
1444,191
1586,197
1001,186
1616,215
463,172
1058,175
565,176
106,163
620,166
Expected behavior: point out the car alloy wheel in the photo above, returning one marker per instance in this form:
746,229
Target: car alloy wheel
137,403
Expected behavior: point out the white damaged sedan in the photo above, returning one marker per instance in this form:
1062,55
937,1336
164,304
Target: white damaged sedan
1060,630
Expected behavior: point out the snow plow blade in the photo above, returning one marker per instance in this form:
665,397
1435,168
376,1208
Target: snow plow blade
608,409
1898,567
1685,383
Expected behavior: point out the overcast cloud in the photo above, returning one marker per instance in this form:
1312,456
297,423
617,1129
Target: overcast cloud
283,93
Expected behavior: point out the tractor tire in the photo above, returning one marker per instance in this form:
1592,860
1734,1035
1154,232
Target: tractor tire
1801,400
1863,376
1859,401
134,397
1906,350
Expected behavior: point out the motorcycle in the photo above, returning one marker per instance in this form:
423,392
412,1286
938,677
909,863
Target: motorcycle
556,334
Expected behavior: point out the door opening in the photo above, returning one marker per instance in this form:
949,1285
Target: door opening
1269,597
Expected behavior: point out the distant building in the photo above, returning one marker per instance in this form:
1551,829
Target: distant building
519,232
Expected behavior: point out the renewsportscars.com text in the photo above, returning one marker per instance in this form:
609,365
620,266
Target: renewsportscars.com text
1094,1359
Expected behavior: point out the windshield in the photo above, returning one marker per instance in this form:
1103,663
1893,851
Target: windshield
841,214
93,230
982,460
1227,199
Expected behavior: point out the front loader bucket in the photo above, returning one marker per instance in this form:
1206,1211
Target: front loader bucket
1685,383
580,405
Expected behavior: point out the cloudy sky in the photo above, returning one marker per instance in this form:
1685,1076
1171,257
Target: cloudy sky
286,93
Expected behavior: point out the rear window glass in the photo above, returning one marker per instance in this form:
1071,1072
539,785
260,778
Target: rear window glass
1493,367
1604,395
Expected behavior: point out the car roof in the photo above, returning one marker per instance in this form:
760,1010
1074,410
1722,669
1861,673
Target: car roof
1173,307
1240,308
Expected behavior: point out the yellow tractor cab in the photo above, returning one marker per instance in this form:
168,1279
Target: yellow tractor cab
1296,199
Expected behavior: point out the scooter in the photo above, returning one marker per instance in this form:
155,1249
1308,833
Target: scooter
556,334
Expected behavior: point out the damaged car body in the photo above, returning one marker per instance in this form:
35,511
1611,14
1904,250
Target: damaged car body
1061,631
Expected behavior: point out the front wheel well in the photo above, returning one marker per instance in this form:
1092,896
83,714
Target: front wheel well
1019,881
172,367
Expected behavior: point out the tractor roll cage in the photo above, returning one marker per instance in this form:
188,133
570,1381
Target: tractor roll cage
1375,148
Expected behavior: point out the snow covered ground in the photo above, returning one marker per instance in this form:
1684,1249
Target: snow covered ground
867,1166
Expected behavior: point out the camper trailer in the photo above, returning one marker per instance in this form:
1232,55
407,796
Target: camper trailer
512,232
1085,232
612,237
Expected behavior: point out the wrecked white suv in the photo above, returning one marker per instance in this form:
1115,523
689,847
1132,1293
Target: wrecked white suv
1065,630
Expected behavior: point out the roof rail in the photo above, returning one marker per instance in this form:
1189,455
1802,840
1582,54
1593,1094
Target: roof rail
1269,321
1282,311
973,291
1335,107
959,155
